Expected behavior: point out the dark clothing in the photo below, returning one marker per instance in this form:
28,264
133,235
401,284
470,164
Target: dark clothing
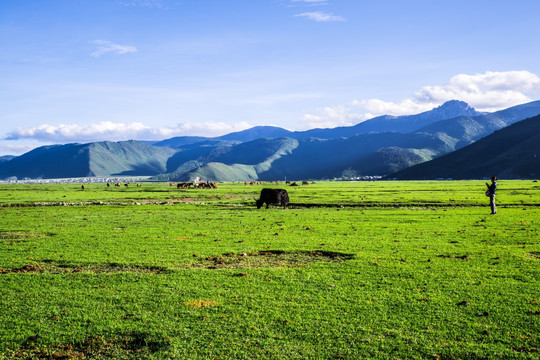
493,187
493,190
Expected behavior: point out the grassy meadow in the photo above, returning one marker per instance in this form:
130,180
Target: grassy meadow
351,270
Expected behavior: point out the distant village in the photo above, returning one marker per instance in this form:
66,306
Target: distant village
138,179
82,180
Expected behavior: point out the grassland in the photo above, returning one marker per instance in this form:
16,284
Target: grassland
408,270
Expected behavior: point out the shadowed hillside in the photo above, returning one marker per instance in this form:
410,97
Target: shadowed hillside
6,158
512,152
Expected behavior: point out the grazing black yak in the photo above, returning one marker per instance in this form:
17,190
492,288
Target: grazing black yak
273,196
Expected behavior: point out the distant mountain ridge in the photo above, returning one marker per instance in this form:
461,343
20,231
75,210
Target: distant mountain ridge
385,123
270,153
404,124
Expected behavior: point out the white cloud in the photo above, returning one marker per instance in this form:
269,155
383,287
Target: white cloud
332,116
104,47
321,16
490,91
209,128
376,107
107,130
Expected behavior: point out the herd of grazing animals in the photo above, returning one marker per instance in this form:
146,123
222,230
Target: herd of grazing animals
268,196
202,185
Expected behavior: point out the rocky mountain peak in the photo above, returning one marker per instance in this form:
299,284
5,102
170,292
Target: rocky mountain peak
454,108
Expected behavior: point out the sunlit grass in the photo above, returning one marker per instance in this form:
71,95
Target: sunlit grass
350,270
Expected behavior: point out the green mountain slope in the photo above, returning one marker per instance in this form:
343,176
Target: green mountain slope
317,159
390,159
273,159
237,163
222,172
127,158
101,159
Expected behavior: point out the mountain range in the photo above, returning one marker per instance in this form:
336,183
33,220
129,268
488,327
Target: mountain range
379,146
386,123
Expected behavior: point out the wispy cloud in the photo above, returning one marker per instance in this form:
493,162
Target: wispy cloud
15,149
107,130
311,2
321,16
142,3
490,91
105,47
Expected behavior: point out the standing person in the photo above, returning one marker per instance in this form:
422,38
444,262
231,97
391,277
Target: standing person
492,190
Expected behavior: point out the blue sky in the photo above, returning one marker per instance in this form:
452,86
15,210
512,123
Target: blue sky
91,70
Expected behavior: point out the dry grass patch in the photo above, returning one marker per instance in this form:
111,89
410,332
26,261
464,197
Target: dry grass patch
199,303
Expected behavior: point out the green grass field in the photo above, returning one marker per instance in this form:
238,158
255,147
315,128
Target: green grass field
388,270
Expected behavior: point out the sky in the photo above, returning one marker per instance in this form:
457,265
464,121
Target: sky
95,70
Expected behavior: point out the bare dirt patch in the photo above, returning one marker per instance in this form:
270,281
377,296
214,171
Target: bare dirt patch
126,346
228,196
10,237
53,267
269,259
189,199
